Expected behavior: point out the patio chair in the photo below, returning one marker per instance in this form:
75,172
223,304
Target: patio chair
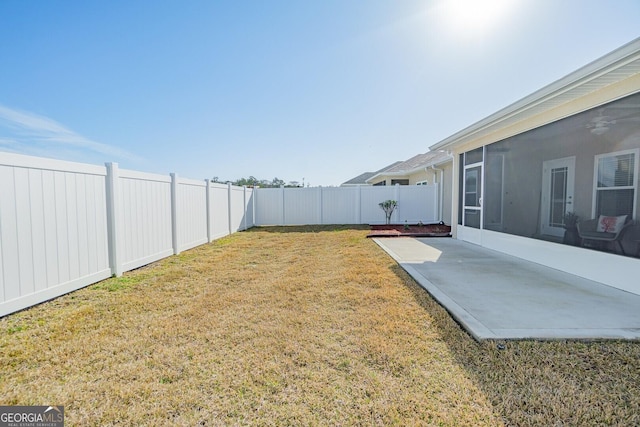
589,232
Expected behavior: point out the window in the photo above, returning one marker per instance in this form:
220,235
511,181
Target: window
422,183
616,182
400,181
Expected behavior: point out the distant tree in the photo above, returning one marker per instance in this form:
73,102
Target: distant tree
249,182
252,181
215,179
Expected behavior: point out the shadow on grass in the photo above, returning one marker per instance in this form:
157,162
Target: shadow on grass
528,382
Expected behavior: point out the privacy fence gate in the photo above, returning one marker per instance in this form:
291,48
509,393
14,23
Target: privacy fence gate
67,225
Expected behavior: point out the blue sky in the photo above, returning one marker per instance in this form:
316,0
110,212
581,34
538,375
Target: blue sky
320,90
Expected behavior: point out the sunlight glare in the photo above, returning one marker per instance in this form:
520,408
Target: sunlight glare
474,17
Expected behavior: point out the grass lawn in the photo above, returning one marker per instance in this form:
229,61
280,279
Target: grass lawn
295,326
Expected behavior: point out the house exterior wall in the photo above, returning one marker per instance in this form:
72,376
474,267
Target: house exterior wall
414,178
391,180
523,157
420,176
447,189
591,101
512,220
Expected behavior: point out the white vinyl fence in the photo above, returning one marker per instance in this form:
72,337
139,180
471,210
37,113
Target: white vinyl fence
345,205
67,225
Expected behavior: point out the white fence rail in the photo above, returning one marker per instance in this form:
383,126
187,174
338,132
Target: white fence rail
344,205
67,225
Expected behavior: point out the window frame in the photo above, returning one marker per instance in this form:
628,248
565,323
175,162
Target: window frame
636,156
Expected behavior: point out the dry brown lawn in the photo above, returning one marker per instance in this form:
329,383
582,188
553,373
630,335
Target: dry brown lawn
295,326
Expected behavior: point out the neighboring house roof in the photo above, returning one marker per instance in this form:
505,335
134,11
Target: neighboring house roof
623,63
414,164
362,179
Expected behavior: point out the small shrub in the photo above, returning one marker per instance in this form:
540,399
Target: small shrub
388,206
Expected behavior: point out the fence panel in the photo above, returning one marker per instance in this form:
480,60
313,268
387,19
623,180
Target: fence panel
302,206
269,203
144,212
53,229
419,203
191,209
219,210
344,205
340,205
236,208
249,220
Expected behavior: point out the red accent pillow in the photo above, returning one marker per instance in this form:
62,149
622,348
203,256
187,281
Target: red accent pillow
611,224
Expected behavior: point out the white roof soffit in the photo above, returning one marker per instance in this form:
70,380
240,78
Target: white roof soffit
373,178
389,174
407,172
614,67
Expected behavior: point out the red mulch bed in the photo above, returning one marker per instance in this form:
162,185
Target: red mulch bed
410,230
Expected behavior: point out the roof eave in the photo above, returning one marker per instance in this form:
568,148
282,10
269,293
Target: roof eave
411,171
613,61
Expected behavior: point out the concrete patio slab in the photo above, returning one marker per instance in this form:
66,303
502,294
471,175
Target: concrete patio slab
497,296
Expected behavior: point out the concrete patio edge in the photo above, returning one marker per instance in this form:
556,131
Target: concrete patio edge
476,329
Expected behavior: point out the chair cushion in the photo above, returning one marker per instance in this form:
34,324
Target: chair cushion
610,224
598,235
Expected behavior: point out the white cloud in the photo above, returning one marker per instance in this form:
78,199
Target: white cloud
29,133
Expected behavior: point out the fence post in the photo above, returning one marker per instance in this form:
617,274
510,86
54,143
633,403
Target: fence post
320,205
229,207
174,213
396,197
254,196
209,225
113,220
244,206
283,213
359,204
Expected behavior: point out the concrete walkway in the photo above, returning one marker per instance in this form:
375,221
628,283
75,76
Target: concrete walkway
497,296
